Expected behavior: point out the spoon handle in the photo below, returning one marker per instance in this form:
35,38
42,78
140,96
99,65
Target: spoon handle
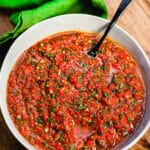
121,8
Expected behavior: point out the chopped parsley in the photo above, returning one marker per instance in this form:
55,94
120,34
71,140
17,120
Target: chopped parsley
38,102
81,107
50,55
50,119
39,120
72,147
85,66
121,85
129,119
106,95
104,68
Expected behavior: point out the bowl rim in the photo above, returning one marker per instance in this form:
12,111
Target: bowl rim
6,115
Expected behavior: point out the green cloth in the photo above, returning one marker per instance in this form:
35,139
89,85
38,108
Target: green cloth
17,4
25,18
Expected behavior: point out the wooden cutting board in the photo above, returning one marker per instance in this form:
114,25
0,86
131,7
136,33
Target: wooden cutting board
136,21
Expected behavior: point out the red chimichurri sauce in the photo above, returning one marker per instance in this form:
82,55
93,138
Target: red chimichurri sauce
61,99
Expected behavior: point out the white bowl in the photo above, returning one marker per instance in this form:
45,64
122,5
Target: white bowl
87,23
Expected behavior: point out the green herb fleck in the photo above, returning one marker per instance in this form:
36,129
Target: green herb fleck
38,102
31,61
39,67
75,109
62,75
120,115
108,123
52,95
101,142
51,147
80,79
50,55
55,80
115,123
94,92
106,95
121,85
131,88
52,109
44,142
129,119
94,115
102,112
81,106
60,139
39,120
43,52
72,147
50,119
50,66
117,81
103,67
95,69
85,66
114,91
91,123
105,125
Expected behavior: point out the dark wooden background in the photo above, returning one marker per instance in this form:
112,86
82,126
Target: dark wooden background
136,21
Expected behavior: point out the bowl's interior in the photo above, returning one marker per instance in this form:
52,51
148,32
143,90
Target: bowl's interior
80,22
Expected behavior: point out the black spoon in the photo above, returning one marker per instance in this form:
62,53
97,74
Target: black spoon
121,8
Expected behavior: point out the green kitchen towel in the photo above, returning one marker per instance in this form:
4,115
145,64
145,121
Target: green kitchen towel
17,4
24,19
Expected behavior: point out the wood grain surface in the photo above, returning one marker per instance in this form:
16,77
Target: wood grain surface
136,21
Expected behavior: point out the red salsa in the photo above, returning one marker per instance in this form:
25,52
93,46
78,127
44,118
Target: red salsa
61,99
